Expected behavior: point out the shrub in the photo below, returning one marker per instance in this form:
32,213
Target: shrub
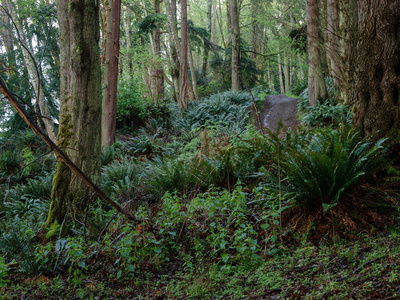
323,164
323,113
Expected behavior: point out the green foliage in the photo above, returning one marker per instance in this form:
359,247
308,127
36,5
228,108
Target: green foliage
31,199
3,272
322,164
130,102
151,22
323,113
122,177
223,109
17,244
299,86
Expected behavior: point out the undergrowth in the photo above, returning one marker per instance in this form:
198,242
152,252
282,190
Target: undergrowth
213,199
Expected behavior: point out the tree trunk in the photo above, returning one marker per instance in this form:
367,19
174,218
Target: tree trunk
193,73
80,106
333,40
33,73
174,45
286,72
205,57
378,77
184,78
348,22
236,78
282,87
157,68
316,83
109,110
128,35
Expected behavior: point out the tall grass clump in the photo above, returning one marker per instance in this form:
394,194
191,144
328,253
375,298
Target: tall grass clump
318,168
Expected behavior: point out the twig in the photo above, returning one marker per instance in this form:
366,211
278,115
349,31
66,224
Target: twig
360,267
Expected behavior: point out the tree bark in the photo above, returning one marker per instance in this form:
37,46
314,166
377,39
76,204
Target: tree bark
316,83
80,106
333,40
348,23
378,77
157,68
184,78
174,46
280,74
236,76
109,110
209,23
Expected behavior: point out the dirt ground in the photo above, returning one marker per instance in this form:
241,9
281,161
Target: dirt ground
278,108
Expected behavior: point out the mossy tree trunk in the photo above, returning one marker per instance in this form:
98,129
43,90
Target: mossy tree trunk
378,77
80,106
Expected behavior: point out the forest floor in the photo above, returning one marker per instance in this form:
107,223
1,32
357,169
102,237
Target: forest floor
279,108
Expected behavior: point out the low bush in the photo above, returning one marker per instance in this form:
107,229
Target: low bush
322,164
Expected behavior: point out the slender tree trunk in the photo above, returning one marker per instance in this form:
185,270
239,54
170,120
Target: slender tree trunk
80,106
209,18
128,37
219,17
33,73
348,49
184,79
193,72
316,83
170,9
214,23
282,87
236,76
333,40
109,110
157,68
378,77
287,72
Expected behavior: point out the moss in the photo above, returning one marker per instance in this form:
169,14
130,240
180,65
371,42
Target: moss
53,230
391,171
65,132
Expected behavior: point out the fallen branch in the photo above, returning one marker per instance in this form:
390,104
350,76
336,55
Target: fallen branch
360,267
57,151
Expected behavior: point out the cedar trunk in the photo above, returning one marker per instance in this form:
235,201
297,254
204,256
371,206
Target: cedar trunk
109,111
378,78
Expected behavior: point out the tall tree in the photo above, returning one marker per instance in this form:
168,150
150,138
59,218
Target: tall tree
170,9
80,106
184,77
157,72
378,77
316,83
332,44
33,71
236,76
209,22
109,110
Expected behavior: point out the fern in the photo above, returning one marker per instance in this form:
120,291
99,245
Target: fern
327,162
